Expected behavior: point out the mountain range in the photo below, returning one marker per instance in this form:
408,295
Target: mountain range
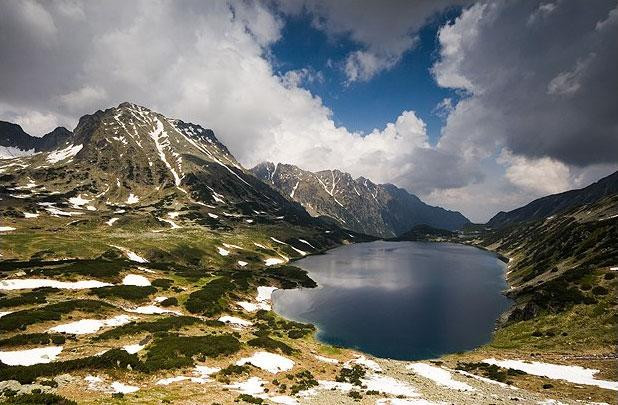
183,248
556,203
130,155
382,210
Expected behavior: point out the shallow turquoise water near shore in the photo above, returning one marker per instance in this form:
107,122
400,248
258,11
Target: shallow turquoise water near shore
400,300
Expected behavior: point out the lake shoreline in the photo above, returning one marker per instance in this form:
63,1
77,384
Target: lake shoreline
321,327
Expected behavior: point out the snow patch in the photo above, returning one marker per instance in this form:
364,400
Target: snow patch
364,361
132,199
263,300
10,152
131,255
300,252
307,243
252,386
31,356
250,307
278,241
486,380
573,374
86,326
294,189
235,320
161,141
272,261
118,387
242,263
63,154
59,213
135,279
201,374
273,363
30,283
78,201
151,310
111,221
6,228
132,349
439,376
222,251
30,215
265,293
389,385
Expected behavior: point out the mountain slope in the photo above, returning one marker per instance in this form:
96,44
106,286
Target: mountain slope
130,156
556,203
15,142
357,204
561,275
161,254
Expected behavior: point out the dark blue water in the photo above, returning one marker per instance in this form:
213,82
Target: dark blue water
400,300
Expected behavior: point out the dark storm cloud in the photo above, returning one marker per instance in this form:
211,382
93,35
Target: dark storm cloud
542,78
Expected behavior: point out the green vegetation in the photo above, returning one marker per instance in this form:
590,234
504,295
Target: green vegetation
53,312
106,268
177,351
290,277
351,375
33,339
127,292
563,291
249,399
37,399
304,380
357,396
490,371
163,283
233,369
160,325
271,323
271,345
165,353
169,302
112,359
36,296
210,299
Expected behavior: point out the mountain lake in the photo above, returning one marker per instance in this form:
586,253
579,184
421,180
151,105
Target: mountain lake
400,300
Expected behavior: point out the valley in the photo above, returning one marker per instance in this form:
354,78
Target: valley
139,259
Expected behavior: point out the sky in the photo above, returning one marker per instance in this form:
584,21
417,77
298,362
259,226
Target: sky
476,106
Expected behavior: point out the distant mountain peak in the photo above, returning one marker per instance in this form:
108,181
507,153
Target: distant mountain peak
14,141
357,204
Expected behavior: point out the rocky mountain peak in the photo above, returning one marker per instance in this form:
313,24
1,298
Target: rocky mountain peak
356,204
14,141
132,156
